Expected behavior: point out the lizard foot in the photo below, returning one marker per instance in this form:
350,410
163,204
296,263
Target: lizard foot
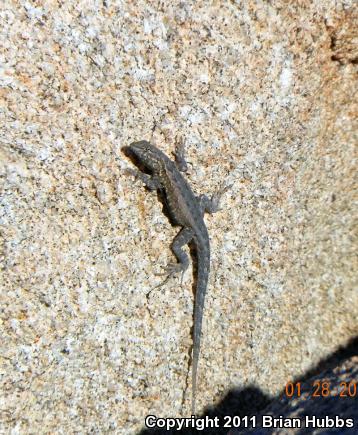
173,269
170,270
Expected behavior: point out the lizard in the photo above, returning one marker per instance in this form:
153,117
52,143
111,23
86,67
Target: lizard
187,211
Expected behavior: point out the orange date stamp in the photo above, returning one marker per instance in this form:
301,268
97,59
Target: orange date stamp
321,388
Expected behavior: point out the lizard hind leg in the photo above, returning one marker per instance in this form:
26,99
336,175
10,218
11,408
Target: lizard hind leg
182,238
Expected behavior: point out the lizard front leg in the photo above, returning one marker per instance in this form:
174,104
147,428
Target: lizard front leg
211,205
180,158
151,181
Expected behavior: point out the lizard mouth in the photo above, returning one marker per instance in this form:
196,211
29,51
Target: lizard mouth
138,148
133,150
138,152
140,145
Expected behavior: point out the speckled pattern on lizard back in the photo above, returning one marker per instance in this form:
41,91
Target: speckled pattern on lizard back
187,211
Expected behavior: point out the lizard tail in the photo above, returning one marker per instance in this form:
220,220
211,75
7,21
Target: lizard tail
202,280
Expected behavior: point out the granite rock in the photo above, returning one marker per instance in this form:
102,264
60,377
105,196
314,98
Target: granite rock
262,95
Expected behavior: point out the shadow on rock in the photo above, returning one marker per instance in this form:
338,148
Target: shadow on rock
338,403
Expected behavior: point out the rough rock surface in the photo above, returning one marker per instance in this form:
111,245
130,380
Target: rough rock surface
262,94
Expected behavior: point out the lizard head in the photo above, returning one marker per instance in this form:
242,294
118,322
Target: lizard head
148,154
